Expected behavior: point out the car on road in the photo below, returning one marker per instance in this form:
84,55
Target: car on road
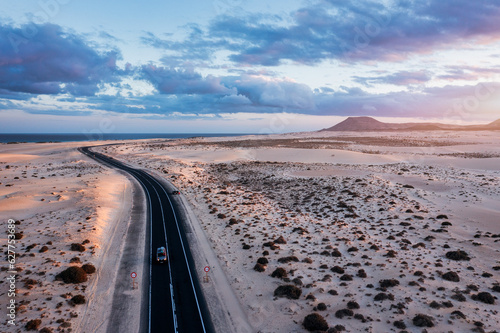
161,255
176,192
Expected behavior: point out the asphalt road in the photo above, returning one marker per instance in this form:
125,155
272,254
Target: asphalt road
176,303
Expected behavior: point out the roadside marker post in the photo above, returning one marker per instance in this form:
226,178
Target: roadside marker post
205,278
133,275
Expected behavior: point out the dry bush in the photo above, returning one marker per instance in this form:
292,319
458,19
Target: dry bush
89,268
33,324
288,291
279,273
72,275
315,322
78,299
77,247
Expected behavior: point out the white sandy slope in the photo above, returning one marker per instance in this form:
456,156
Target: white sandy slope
61,197
325,199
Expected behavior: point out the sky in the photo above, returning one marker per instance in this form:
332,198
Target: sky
222,66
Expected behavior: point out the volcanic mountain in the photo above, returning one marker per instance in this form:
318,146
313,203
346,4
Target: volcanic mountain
373,125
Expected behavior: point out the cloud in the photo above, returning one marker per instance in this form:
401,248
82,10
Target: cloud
343,30
272,92
402,78
450,101
52,61
182,81
245,89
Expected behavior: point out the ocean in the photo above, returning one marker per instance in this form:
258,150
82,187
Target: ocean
66,137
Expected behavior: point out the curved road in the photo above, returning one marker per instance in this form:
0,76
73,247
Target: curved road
176,303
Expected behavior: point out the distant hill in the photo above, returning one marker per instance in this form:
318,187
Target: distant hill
373,125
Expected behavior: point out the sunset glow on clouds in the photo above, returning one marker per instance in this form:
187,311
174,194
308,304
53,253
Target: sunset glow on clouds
213,61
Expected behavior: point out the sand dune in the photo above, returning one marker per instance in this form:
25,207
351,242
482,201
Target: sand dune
59,198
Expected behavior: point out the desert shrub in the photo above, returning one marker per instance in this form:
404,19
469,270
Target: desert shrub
435,305
221,216
321,307
72,275
78,299
285,260
361,273
459,314
422,320
46,330
391,254
259,267
496,288
33,324
43,249
343,313
18,235
315,322
451,276
280,240
399,324
346,277
352,305
89,268
383,296
77,247
459,297
279,273
336,253
288,291
337,269
75,260
263,261
388,283
484,297
457,255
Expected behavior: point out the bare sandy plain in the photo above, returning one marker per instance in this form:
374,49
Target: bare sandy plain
363,229
58,198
